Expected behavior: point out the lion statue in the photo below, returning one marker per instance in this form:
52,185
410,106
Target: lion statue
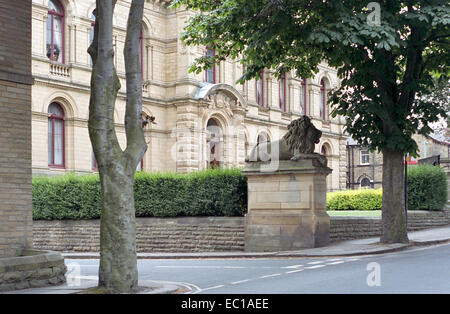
298,143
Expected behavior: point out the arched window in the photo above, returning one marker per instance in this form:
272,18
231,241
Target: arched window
303,97
365,183
215,143
283,92
210,74
55,31
324,151
56,135
260,90
323,100
262,138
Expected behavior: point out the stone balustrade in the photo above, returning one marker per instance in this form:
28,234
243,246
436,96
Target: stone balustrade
61,70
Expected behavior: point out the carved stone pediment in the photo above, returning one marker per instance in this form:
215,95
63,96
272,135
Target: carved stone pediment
221,96
221,100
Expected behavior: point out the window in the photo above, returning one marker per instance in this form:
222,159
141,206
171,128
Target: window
365,183
364,154
303,97
283,92
56,136
215,143
324,151
323,100
260,90
55,31
210,75
262,138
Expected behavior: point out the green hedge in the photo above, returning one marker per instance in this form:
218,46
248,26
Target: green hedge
220,192
427,188
366,199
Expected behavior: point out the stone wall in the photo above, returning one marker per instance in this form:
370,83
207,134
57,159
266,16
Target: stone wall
203,234
187,234
33,269
15,127
350,228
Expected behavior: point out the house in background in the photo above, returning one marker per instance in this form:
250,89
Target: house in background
365,168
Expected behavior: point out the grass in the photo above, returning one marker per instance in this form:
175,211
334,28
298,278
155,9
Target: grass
354,213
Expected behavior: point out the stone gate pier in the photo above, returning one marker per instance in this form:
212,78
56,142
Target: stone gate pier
287,206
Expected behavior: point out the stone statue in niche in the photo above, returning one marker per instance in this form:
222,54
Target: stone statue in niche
298,143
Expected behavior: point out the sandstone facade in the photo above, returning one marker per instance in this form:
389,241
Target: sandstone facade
197,122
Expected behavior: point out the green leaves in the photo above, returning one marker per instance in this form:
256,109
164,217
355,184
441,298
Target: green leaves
382,67
427,188
366,199
221,192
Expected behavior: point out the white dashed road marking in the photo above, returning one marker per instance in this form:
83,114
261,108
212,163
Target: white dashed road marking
210,288
293,266
240,281
335,263
267,276
314,263
294,271
315,266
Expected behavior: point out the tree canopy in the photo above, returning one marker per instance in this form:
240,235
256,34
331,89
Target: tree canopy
386,54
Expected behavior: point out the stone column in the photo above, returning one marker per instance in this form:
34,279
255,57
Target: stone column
287,206
188,137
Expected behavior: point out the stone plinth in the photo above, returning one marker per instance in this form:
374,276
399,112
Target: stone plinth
286,206
32,269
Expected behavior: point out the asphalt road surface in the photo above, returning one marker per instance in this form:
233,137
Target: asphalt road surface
418,270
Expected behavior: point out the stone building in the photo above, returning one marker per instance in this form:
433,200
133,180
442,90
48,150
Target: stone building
202,119
15,127
365,168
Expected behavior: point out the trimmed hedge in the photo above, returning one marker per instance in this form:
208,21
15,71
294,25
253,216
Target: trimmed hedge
367,199
220,192
427,188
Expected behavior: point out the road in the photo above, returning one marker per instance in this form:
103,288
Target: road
418,270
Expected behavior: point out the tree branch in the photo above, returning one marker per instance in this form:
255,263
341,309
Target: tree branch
136,145
104,87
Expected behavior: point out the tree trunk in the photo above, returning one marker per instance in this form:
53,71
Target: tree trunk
393,208
118,261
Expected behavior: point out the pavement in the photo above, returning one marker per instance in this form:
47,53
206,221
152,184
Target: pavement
368,246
